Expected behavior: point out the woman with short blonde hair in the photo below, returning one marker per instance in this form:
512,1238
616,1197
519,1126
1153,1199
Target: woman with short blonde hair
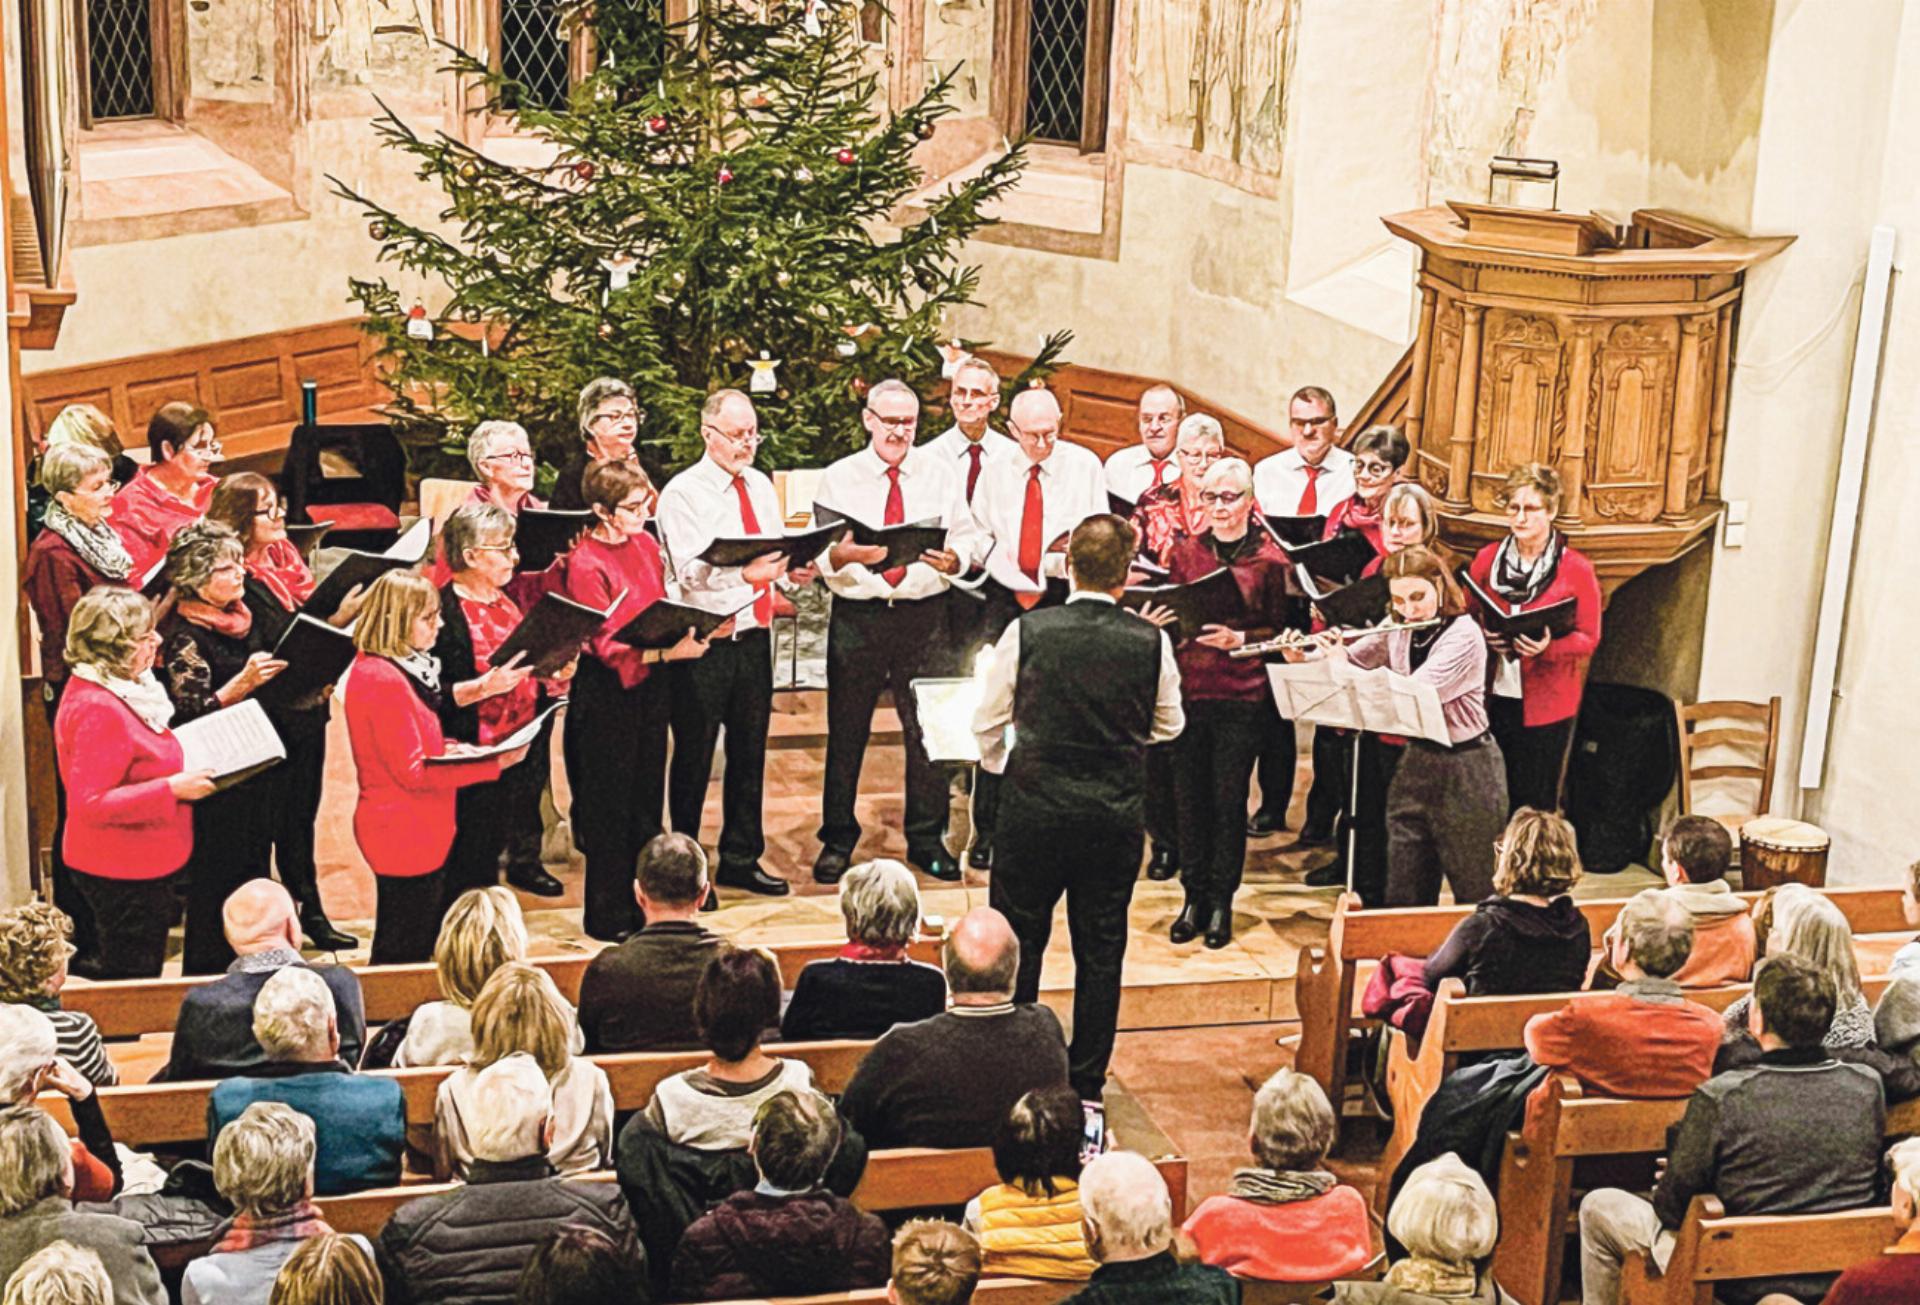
34,953
1446,1219
483,930
60,1274
329,1269
1529,936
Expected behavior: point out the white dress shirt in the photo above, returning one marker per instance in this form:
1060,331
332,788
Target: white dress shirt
951,448
993,718
857,486
1279,481
701,505
1072,488
1130,471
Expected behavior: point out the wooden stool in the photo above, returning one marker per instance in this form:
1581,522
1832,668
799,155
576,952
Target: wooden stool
1775,850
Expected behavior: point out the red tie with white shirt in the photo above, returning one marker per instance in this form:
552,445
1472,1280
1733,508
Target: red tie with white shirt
763,594
1309,497
895,515
1032,515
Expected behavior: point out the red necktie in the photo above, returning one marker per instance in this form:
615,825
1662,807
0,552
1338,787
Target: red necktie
1309,497
1159,472
1031,516
973,470
762,597
895,515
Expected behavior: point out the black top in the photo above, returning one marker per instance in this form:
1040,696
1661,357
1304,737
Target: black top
1508,946
950,1080
1158,1280
840,998
270,621
195,661
454,648
638,996
213,1036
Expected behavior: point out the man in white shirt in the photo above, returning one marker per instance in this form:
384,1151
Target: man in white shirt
1072,699
723,496
1134,470
1306,480
887,628
1015,530
967,448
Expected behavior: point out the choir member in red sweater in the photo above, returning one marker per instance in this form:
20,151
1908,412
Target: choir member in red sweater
172,490
404,819
129,818
616,740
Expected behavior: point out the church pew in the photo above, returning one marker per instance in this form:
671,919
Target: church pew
1712,1246
1329,980
126,1008
1535,1188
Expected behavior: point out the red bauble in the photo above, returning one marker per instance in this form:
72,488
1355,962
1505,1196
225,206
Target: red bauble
583,170
656,124
859,385
844,157
724,176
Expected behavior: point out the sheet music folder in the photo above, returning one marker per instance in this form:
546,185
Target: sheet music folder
800,546
358,568
235,743
552,633
316,654
1329,692
543,534
520,738
1213,599
1495,618
663,624
904,543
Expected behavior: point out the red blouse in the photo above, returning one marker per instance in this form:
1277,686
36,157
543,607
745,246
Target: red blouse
489,624
1162,521
595,573
146,517
526,587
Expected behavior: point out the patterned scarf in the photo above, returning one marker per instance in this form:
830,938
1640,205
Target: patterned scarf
144,697
1434,1277
284,572
1521,582
97,545
233,620
1279,1186
1362,515
248,1231
422,670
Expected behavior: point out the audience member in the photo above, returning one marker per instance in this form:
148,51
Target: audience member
1029,1224
1445,1218
263,1166
471,1244
213,1037
329,1270
36,1209
577,1265
1908,957
872,984
519,1010
949,1080
1643,1039
1893,1277
1798,1133
60,1274
1807,924
33,969
360,1120
1896,1017
735,1005
29,1064
1286,1219
1529,936
483,931
788,1236
1694,856
638,995
1128,1219
934,1263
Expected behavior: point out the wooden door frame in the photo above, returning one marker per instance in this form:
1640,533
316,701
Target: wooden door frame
1011,50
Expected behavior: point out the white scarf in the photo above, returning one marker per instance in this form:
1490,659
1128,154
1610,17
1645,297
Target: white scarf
144,696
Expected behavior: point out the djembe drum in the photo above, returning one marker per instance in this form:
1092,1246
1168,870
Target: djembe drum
1775,850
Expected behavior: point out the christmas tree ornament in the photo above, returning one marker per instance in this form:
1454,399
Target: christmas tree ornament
619,270
469,171
764,381
783,394
724,175
583,170
377,229
952,354
926,278
859,387
419,325
783,278
677,279
923,130
846,348
843,156
812,14
606,330
656,124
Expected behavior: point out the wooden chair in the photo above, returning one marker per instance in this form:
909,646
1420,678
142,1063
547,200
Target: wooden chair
439,496
1712,1247
364,506
1759,730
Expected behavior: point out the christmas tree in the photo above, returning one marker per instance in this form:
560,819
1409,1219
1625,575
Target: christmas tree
724,195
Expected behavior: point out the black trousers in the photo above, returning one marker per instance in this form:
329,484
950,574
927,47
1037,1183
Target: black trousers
1038,859
1001,609
1536,754
524,786
1279,756
1378,760
479,832
616,757
232,843
406,920
874,646
299,782
1332,777
731,686
66,892
966,617
133,916
1163,804
1213,767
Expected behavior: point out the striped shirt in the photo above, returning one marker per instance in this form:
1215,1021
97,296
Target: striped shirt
79,1043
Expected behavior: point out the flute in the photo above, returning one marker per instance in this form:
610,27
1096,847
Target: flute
1300,639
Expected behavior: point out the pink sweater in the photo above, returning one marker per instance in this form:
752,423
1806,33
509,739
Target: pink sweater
1456,668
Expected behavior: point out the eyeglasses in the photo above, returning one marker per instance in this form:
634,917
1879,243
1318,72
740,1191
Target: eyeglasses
746,437
1325,420
202,448
515,456
633,507
901,425
634,415
272,513
1368,467
1515,508
514,549
1223,497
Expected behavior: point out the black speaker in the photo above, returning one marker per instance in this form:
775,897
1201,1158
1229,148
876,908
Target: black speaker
1625,758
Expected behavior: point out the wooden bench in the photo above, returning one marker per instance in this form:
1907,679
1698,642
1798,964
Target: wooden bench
1712,1246
1329,980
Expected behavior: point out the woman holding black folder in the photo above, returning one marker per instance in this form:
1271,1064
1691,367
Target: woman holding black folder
616,740
277,583
1537,682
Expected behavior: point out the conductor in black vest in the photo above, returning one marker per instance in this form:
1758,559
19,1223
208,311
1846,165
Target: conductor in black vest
1085,687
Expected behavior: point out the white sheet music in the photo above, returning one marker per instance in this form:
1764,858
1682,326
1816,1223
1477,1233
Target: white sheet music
412,546
229,741
520,738
1328,692
946,717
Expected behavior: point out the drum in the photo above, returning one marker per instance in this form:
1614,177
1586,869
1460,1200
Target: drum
1775,850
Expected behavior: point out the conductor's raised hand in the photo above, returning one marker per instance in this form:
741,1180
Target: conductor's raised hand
191,785
945,561
1157,615
1220,637
765,569
504,678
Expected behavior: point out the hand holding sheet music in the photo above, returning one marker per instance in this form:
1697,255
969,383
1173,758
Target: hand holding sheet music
518,741
233,743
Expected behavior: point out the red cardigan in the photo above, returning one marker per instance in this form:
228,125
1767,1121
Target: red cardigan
123,821
57,578
403,820
596,571
1550,684
1262,576
147,518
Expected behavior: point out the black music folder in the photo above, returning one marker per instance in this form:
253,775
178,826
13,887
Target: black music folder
358,568
1213,599
543,534
1340,559
316,654
307,538
1120,507
1366,601
553,633
1296,532
663,624
904,543
520,738
800,546
1556,619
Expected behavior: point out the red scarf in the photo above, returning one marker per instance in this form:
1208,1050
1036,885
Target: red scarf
859,951
294,1225
233,620
284,572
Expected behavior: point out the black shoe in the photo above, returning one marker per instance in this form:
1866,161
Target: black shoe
830,865
322,936
536,881
711,902
1265,824
981,856
1219,926
1186,927
1311,835
753,879
936,866
1163,864
1330,875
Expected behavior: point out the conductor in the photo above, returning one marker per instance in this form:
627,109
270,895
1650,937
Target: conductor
1073,695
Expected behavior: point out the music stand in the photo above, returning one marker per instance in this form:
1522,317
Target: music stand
945,707
1332,693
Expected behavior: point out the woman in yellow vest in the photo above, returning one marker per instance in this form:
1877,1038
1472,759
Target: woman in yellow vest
1029,1224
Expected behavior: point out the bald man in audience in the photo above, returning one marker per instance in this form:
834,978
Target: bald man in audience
949,1081
213,1037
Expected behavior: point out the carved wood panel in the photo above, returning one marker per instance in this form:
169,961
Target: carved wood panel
1520,366
1627,468
1445,371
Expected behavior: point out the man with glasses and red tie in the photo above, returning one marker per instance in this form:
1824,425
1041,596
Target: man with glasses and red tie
967,448
723,496
1015,529
887,629
1150,464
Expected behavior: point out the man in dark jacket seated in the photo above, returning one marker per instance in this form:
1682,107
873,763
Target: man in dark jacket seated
638,995
1127,1217
1798,1133
788,1236
470,1244
213,1037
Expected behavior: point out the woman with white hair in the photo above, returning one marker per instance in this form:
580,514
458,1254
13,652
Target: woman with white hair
30,1063
1171,512
263,1166
1807,924
1286,1219
36,1211
1127,1222
1446,1220
872,984
609,417
60,1274
1894,1275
